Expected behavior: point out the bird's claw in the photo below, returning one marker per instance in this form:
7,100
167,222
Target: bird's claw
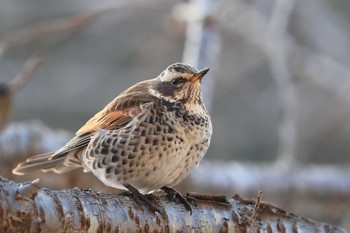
172,193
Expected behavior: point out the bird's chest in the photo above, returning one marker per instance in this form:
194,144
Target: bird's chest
193,125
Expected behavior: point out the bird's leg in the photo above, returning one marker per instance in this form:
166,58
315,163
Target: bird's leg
141,199
172,193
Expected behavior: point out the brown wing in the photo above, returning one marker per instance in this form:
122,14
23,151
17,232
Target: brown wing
120,111
105,120
116,114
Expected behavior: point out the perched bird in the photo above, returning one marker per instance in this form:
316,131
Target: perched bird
148,138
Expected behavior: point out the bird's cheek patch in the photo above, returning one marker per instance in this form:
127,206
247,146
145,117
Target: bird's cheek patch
166,89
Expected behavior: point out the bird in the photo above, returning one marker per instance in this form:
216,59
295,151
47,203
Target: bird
149,138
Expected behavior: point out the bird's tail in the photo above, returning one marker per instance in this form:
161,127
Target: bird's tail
45,163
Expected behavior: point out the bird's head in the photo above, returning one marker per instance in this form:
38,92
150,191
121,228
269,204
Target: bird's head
179,82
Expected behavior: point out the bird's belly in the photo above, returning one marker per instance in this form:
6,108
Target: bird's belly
168,168
164,163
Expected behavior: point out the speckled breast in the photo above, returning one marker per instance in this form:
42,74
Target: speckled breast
155,149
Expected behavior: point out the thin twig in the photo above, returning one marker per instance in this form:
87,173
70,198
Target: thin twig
27,71
57,26
64,25
256,207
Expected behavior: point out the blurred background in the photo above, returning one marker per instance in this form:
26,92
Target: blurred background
278,91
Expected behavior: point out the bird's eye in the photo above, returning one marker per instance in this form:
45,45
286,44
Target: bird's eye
177,81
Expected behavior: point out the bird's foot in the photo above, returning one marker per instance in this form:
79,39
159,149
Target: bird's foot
172,193
143,199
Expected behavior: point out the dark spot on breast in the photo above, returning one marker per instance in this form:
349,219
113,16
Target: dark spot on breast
99,163
169,106
170,139
132,163
104,150
134,141
124,161
171,130
117,171
122,153
131,156
179,138
97,150
143,132
114,150
151,120
155,142
127,131
109,169
105,160
147,141
155,168
177,114
157,120
105,144
115,158
123,141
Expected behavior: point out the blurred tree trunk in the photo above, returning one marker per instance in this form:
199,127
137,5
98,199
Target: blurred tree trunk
29,208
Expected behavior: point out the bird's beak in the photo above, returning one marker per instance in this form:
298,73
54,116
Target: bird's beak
199,75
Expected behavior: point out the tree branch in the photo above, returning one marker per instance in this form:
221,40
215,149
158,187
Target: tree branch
27,207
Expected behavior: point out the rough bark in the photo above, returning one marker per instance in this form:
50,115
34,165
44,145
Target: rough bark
29,208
